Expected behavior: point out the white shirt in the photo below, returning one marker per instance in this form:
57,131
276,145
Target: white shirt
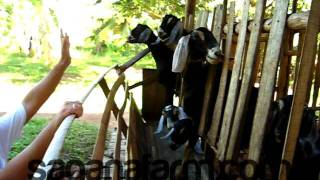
11,125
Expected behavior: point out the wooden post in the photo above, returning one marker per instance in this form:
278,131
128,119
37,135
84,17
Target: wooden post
266,89
189,14
299,98
316,81
234,83
223,84
217,31
247,75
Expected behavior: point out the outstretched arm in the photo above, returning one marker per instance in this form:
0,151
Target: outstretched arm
17,168
41,92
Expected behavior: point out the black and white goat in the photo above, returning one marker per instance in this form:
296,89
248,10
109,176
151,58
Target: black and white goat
197,47
161,54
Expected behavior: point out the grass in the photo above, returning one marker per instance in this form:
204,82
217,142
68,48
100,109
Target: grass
19,68
78,144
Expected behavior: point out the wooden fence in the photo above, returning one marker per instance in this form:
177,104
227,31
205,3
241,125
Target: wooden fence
261,53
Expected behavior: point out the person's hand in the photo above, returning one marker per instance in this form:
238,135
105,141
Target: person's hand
65,54
71,107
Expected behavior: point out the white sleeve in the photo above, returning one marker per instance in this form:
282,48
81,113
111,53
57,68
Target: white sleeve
11,125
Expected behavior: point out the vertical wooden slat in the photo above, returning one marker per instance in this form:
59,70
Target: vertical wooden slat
266,89
199,19
223,84
234,83
299,98
298,58
316,81
204,19
247,75
98,151
283,79
217,30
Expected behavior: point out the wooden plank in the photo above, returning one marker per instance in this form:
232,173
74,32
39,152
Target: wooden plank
98,151
151,110
217,113
204,19
299,98
246,82
316,81
115,110
137,132
258,64
234,83
199,19
298,58
217,31
267,84
285,61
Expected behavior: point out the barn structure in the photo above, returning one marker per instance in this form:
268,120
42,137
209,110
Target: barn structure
258,52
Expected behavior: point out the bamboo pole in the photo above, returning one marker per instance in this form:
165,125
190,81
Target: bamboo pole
57,141
117,148
234,83
217,31
299,98
98,151
115,109
222,144
131,62
246,82
266,89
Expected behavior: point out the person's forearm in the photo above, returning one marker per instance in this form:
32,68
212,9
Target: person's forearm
35,151
41,92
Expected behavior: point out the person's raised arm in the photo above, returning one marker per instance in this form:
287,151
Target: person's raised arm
41,92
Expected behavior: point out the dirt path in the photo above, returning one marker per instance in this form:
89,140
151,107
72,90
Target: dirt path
12,94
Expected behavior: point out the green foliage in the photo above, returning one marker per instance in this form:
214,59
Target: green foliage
22,68
153,8
78,144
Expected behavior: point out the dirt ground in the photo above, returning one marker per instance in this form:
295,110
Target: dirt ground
12,94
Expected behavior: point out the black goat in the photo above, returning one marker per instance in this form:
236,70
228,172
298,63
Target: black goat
306,164
161,54
202,48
